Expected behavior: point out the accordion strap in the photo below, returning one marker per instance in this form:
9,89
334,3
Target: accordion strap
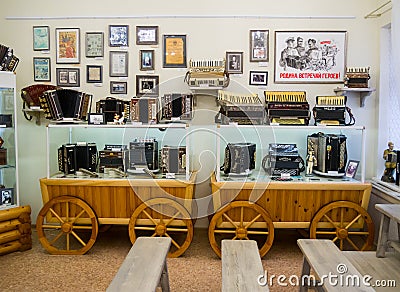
352,120
28,117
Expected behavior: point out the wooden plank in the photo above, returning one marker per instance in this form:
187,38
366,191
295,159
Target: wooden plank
390,210
241,266
143,266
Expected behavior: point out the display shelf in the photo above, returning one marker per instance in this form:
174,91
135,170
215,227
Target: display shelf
364,92
36,113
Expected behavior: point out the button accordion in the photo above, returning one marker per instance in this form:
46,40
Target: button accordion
71,157
8,61
240,158
331,110
144,110
173,159
283,159
177,106
111,106
114,156
143,152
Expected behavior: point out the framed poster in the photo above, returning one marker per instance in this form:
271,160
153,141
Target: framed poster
118,35
146,60
118,64
310,56
174,51
351,168
147,85
234,62
41,69
41,38
67,45
117,87
94,73
258,78
68,77
94,44
147,35
259,49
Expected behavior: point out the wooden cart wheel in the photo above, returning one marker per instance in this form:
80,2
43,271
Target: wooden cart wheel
242,221
67,225
163,217
346,223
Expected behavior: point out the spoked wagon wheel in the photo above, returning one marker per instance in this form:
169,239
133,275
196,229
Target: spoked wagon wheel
241,220
163,217
67,225
345,223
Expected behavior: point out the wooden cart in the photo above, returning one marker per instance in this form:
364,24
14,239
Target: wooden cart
74,208
329,208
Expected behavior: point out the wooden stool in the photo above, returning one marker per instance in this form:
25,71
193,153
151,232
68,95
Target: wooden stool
389,211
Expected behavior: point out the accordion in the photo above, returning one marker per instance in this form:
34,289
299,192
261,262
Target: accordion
114,156
143,153
112,106
331,110
144,110
287,107
207,74
31,94
330,151
8,62
65,104
283,159
173,159
356,77
240,158
71,157
177,106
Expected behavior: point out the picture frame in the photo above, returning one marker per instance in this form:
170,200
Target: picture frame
147,35
118,35
118,64
94,73
118,87
234,62
174,51
147,85
7,197
41,69
259,45
68,77
310,56
41,38
96,119
94,44
146,60
67,45
258,78
351,168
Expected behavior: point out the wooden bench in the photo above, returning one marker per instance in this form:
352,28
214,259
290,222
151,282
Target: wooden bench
144,268
325,258
389,212
241,266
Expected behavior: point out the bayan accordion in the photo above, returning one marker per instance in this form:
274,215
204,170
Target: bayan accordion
331,110
111,106
8,62
71,157
144,110
207,74
356,77
240,158
177,106
283,159
173,159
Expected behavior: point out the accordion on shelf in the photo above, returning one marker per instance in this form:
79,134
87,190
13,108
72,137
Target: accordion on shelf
331,110
144,110
207,74
283,159
111,106
31,94
287,107
65,104
143,153
244,109
71,157
356,77
177,106
173,159
8,61
240,158
114,156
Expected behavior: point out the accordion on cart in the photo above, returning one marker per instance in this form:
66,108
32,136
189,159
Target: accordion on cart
283,159
332,110
72,157
240,158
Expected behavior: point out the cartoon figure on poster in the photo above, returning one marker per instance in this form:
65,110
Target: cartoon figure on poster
390,157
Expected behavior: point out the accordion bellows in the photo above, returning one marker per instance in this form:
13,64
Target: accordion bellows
8,61
31,94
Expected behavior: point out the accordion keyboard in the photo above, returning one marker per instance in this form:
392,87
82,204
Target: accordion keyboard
207,66
285,96
238,98
288,121
331,100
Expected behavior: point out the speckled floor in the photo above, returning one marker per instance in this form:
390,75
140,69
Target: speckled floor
198,269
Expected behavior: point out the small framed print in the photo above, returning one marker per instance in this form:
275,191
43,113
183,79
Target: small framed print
174,51
41,38
258,78
118,64
147,85
146,60
94,73
7,197
41,69
118,35
351,168
259,50
147,35
67,45
234,63
117,87
68,77
96,119
94,44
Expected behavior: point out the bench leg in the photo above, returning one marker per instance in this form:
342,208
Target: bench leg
305,271
164,281
383,236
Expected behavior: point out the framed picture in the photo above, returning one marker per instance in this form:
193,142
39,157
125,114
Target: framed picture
147,35
259,49
41,38
118,35
118,64
351,168
96,119
67,45
146,60
68,77
94,73
147,85
117,87
174,51
310,56
234,62
41,69
258,78
7,196
94,44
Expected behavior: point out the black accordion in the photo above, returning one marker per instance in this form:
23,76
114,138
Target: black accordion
177,106
111,106
143,152
173,159
144,110
331,110
283,159
114,156
8,61
71,157
356,77
240,158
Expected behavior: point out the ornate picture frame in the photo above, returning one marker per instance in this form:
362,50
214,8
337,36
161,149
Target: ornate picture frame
94,73
67,45
147,85
41,38
118,87
118,35
119,63
234,62
259,45
147,35
68,77
41,69
258,78
146,60
94,44
174,51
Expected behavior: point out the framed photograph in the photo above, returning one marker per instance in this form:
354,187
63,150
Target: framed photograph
41,38
94,44
259,49
41,69
234,62
96,119
7,197
258,78
118,35
310,56
117,87
147,35
68,77
67,45
94,73
118,64
174,51
147,85
146,60
351,168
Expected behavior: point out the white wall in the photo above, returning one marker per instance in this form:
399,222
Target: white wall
207,38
